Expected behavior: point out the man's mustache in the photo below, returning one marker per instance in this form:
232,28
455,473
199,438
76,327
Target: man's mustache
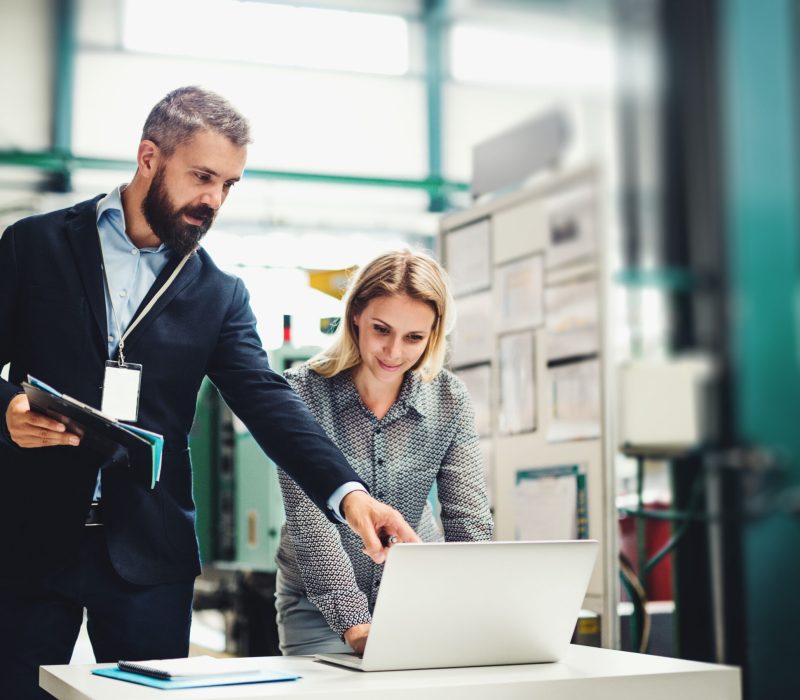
201,211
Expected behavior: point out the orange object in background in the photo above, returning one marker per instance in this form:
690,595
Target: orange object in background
658,583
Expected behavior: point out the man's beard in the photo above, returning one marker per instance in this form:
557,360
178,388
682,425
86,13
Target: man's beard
167,222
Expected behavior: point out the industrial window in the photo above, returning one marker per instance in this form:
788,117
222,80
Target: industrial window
268,33
555,57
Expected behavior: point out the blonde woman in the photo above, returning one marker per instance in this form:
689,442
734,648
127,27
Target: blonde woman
404,423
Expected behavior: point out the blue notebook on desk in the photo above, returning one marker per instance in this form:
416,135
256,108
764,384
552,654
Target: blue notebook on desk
198,682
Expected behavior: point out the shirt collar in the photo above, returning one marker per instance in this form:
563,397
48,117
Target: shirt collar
414,394
344,390
111,202
411,396
110,206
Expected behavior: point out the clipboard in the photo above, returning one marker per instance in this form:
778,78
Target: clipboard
98,431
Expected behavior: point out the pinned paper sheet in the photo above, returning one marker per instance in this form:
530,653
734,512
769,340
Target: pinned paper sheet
550,504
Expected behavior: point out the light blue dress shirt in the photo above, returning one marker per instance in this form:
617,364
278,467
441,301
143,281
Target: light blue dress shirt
130,272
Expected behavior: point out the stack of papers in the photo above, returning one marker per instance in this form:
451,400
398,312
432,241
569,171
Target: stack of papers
194,672
194,666
99,431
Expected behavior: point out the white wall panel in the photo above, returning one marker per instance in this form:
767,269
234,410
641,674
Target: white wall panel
99,23
26,60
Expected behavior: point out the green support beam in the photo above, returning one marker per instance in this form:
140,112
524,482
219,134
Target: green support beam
55,162
760,78
434,18
63,89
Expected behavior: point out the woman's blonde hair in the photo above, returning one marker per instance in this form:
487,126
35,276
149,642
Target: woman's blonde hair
414,274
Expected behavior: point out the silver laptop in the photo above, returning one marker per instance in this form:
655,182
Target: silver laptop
444,605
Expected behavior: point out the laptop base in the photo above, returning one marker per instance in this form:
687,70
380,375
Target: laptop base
349,660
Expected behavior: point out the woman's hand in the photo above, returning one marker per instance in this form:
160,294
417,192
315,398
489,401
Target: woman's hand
356,637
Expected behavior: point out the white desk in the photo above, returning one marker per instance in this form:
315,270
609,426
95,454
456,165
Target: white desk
586,672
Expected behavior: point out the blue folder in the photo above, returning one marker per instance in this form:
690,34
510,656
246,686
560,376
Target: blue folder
198,682
99,431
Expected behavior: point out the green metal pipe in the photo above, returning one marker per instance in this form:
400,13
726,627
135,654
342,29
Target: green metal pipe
434,71
55,161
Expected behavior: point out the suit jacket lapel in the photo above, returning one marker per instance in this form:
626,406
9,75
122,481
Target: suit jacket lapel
85,243
185,276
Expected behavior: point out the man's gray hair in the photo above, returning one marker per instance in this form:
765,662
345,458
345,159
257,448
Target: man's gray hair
176,118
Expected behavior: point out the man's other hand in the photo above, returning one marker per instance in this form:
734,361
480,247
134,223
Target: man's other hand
369,518
29,429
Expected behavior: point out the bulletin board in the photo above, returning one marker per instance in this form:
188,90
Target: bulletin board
530,290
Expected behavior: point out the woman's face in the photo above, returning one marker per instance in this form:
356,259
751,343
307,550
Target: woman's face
393,332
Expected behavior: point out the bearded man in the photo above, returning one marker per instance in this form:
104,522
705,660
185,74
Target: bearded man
118,287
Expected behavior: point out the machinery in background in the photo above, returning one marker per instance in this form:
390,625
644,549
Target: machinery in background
711,223
239,517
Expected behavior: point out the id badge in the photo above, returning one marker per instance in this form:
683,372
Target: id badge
121,390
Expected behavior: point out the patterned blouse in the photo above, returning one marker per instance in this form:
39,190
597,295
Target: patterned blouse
427,436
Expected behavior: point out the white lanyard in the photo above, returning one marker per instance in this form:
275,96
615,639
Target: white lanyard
151,303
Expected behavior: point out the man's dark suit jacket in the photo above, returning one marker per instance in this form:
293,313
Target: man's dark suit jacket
53,326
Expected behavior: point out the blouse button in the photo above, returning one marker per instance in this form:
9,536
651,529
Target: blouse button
377,431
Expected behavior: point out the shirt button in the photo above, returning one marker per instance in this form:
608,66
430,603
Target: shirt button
111,339
123,293
377,431
134,251
380,462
